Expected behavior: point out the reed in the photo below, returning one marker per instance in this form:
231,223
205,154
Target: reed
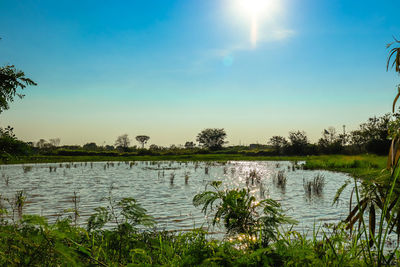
26,169
314,187
6,179
280,179
186,177
254,176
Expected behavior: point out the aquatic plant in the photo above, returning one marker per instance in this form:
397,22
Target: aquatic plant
315,186
280,179
318,184
26,169
125,212
186,177
241,213
6,179
254,176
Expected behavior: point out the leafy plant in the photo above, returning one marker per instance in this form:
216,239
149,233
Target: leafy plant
125,211
241,213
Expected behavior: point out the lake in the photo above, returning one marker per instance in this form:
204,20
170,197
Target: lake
166,188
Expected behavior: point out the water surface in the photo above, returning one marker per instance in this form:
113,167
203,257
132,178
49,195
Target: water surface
161,188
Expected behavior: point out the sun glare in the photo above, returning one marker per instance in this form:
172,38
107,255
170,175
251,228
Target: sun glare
257,11
253,7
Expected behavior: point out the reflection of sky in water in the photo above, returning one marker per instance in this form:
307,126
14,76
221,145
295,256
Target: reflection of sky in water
49,193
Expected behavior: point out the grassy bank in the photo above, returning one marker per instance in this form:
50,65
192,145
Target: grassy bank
359,166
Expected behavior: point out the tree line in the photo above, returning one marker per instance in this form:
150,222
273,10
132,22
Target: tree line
372,136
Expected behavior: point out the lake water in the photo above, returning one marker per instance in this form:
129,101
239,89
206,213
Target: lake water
160,187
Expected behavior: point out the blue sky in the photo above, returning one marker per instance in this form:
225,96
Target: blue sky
169,69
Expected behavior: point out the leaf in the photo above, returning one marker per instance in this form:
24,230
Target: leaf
339,191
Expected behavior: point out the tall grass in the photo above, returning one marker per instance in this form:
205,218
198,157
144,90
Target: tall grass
315,186
280,179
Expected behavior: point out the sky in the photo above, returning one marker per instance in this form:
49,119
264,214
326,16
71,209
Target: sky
169,69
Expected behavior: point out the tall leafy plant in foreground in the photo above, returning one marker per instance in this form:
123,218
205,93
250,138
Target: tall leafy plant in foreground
381,193
241,213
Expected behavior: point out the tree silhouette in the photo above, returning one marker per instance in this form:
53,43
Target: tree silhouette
10,80
212,138
278,143
142,139
123,142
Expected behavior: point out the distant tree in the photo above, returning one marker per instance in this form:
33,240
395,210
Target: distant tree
108,147
298,142
330,142
278,143
142,139
212,138
41,143
172,147
189,145
154,147
123,142
372,136
10,80
55,142
90,146
329,134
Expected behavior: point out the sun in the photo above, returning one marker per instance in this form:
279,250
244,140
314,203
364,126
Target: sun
261,9
253,8
257,11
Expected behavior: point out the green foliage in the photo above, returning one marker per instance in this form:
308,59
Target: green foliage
11,80
211,138
241,213
126,212
10,145
279,144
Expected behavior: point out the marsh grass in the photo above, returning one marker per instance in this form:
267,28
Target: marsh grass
280,179
254,176
52,169
27,169
186,175
318,184
6,179
315,186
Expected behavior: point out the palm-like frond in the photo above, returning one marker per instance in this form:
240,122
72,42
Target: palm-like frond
395,54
